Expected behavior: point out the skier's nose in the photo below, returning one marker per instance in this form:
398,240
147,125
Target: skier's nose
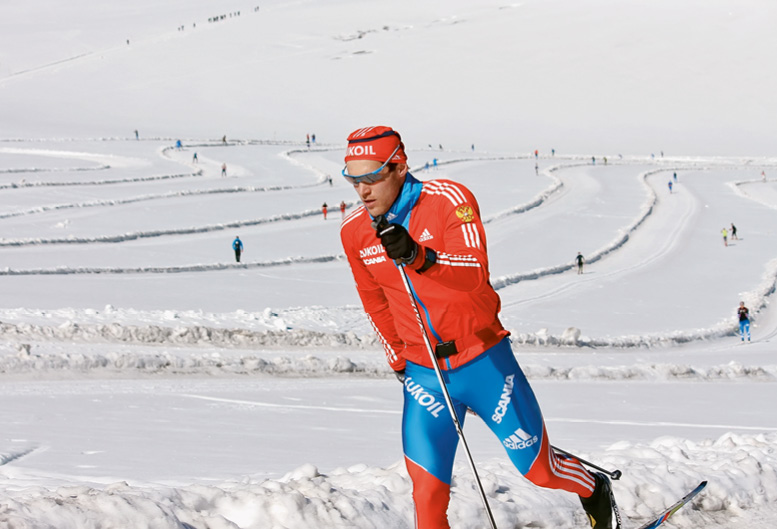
362,189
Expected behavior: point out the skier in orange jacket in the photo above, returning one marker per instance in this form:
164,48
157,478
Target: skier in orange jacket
435,231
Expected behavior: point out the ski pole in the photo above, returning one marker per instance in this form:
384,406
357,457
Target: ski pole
380,223
614,474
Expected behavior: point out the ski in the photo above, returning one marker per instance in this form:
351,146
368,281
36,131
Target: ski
664,516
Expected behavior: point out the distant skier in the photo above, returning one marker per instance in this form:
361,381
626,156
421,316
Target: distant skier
342,208
593,160
553,152
674,176
224,170
323,209
137,136
194,158
734,232
724,231
224,139
237,245
580,261
763,176
744,321
178,145
670,186
536,154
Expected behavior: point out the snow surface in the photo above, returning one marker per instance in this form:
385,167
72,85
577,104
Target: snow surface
148,380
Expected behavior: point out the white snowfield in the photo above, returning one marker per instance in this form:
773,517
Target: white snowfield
148,380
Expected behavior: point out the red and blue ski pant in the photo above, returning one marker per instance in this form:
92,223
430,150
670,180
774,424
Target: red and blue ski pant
494,387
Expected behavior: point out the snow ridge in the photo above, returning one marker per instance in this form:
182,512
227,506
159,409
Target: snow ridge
758,299
171,269
159,233
184,335
538,200
654,476
31,358
133,180
54,170
143,198
618,242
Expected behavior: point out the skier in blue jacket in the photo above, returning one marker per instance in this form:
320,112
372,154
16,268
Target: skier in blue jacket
237,245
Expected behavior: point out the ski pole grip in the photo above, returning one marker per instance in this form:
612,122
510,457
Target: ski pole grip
380,223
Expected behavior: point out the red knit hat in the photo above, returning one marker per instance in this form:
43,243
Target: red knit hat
376,143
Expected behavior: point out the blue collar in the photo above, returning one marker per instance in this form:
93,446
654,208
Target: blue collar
399,212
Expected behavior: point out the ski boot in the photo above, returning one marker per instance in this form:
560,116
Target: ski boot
599,506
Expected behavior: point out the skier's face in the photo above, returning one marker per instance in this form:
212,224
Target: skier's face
378,196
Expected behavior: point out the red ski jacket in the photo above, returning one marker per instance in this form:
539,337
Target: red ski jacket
454,296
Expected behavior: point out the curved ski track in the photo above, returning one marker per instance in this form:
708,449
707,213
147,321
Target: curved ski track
554,191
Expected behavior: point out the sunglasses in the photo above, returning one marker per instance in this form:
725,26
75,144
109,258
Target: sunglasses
371,177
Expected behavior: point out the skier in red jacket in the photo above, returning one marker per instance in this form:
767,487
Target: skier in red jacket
435,231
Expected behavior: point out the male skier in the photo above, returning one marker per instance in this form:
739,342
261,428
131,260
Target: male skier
744,321
580,261
237,245
434,230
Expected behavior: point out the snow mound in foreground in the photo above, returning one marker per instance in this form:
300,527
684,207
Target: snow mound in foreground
741,470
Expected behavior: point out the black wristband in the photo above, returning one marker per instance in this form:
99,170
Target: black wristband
430,258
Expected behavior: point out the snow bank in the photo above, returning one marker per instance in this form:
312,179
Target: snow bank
78,270
131,236
741,471
183,335
144,198
133,180
731,371
28,358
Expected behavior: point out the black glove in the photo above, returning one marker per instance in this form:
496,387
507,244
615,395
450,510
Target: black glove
400,375
398,243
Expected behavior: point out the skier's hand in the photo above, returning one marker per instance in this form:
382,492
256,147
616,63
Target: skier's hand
400,375
398,243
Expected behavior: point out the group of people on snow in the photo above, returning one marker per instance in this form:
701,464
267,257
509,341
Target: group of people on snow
343,206
725,232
